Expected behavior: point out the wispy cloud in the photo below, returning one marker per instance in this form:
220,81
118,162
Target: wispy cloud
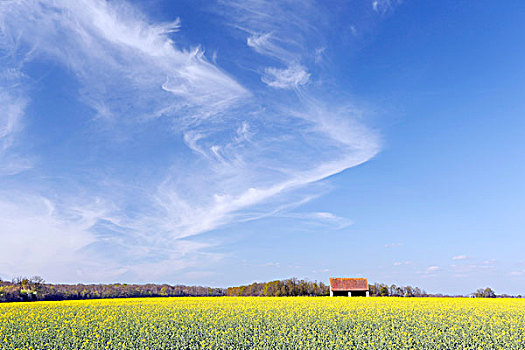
14,104
269,45
10,124
231,181
383,6
243,156
319,219
121,58
459,257
431,270
278,30
40,236
517,273
467,267
289,78
13,109
130,70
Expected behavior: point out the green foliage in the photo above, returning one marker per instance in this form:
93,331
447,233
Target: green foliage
485,293
34,288
284,288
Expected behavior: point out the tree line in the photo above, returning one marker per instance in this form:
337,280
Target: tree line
294,287
35,288
281,288
383,290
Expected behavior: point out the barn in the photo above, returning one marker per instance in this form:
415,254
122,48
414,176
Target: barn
351,287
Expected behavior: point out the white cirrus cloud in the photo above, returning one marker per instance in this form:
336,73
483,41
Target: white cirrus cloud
13,104
242,156
289,78
121,58
325,219
383,6
40,236
13,108
459,257
278,30
431,269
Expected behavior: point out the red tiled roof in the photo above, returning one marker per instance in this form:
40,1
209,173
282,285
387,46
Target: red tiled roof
343,284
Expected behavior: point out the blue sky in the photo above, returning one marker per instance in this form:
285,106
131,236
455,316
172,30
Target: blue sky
226,142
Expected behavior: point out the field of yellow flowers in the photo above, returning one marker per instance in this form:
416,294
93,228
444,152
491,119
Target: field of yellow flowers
265,323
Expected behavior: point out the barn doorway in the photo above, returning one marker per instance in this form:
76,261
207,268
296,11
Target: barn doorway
355,293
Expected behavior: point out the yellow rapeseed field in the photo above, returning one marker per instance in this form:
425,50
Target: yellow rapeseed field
265,323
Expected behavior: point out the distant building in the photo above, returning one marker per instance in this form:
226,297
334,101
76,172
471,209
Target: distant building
351,287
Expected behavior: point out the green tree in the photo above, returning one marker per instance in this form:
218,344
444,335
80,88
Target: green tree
383,291
488,293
